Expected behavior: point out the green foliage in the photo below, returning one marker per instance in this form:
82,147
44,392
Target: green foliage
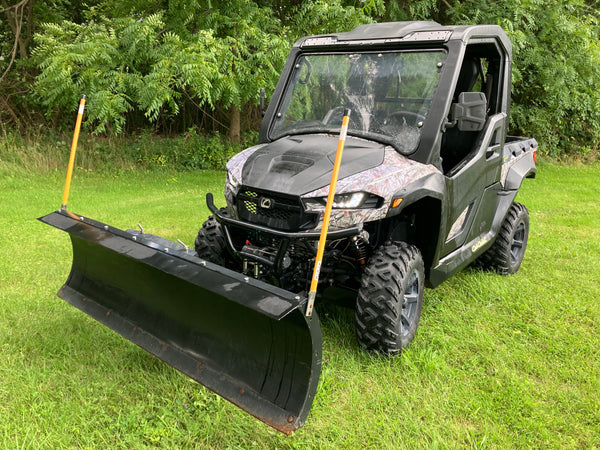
212,152
325,16
192,151
19,20
557,86
129,64
152,57
255,49
172,64
400,10
122,65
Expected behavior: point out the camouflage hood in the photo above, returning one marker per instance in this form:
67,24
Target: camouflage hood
300,164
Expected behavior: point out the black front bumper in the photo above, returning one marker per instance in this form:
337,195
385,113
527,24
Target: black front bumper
284,237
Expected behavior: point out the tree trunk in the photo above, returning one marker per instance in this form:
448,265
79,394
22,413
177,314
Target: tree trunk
20,15
234,124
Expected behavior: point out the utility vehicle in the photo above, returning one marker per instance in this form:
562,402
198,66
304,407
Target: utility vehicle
426,187
427,182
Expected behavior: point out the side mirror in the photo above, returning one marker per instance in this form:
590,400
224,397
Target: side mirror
470,113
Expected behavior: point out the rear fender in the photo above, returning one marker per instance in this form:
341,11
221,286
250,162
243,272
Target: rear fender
519,168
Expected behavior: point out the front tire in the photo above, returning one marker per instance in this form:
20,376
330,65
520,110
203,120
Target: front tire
390,299
507,252
210,242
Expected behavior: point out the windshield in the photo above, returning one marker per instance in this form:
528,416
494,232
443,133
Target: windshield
389,95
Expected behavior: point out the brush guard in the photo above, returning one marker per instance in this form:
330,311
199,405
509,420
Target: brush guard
246,340
274,259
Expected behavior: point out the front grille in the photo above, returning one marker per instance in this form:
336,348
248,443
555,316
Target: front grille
273,210
251,207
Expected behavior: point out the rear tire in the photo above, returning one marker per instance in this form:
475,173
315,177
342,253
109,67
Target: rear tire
210,242
390,299
506,253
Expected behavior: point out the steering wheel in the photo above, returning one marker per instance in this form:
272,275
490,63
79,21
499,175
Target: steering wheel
409,118
334,118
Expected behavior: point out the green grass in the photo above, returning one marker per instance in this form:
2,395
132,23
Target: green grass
498,362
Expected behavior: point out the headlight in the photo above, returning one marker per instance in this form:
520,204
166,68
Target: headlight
232,180
351,200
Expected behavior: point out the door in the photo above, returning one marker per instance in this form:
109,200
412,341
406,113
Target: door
471,160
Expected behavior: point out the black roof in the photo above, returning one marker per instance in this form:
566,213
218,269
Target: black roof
405,32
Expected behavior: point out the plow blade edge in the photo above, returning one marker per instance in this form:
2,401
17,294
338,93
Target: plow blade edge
244,339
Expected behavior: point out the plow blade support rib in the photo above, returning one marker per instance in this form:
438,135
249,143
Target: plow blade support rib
244,339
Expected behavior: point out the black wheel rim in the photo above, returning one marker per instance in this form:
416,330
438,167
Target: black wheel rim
410,302
516,249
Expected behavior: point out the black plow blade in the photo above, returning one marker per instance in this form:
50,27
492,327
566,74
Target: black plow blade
246,340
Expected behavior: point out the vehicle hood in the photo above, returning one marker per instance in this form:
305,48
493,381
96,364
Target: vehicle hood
296,165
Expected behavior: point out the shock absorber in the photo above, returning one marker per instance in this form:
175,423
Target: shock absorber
360,247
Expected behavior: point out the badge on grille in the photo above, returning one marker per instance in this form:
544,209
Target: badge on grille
266,203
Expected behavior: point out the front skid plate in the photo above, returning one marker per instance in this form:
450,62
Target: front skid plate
246,340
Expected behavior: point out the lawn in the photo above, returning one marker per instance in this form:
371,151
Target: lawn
498,362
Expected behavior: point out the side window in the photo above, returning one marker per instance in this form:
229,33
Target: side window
480,72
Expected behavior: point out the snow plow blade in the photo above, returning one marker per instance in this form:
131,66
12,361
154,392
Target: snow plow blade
246,340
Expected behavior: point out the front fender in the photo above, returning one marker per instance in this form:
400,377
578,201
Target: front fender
432,185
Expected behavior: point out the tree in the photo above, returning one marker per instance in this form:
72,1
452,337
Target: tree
19,26
19,20
153,57
180,63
